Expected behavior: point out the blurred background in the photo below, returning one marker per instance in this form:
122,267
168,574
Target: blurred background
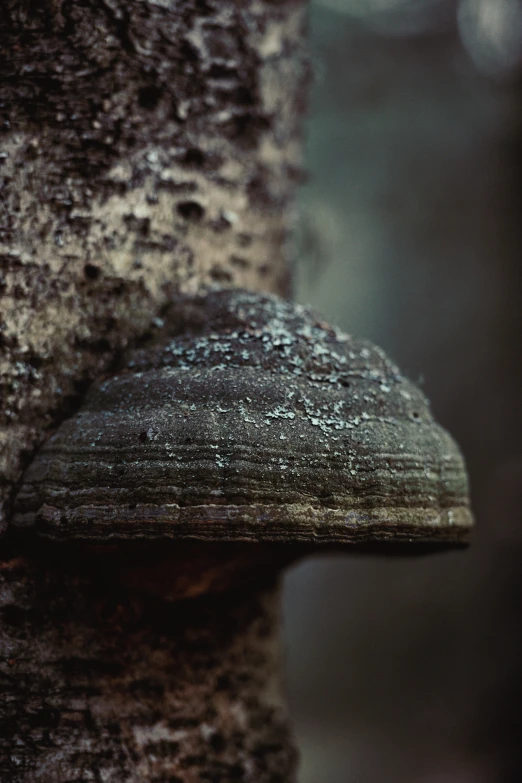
409,234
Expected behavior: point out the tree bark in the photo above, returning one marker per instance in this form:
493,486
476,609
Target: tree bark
146,147
103,684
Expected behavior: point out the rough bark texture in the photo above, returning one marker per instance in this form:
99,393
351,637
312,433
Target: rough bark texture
102,684
147,146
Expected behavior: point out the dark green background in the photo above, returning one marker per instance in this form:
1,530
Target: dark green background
409,670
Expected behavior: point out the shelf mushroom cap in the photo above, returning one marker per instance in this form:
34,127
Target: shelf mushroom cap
257,421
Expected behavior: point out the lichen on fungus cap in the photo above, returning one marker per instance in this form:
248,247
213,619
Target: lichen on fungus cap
256,421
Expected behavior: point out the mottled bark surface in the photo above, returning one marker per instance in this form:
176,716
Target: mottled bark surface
146,146
102,684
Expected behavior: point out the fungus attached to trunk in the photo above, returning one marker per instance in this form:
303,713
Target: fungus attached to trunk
256,422
235,443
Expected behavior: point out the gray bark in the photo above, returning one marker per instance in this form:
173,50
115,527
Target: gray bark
146,147
103,684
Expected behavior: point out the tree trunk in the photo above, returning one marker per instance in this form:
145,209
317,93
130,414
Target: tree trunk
104,684
146,147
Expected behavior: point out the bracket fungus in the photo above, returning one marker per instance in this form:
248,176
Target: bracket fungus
242,437
256,422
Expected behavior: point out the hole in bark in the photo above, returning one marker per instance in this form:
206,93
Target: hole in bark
223,683
239,262
149,97
220,275
236,772
222,72
86,667
189,53
13,615
194,760
217,742
140,225
258,191
91,271
46,718
246,129
190,210
194,157
244,240
203,8
244,96
147,687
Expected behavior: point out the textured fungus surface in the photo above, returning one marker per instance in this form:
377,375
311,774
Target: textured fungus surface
256,421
